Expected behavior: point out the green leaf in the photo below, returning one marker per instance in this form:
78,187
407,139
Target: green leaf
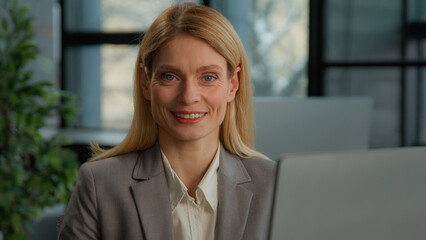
2,45
4,25
16,221
18,236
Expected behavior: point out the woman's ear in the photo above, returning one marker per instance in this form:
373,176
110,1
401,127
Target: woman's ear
143,82
234,84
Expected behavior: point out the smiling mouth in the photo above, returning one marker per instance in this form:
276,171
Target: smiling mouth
189,116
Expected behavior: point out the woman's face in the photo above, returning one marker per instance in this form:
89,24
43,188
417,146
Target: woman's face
189,90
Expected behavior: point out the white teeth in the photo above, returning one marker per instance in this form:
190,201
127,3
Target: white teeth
190,116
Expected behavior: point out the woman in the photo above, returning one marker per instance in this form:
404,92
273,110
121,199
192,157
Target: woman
186,169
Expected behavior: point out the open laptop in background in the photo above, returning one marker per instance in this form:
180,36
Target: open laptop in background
312,124
373,194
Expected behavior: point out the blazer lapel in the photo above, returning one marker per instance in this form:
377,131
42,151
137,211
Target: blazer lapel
234,200
151,195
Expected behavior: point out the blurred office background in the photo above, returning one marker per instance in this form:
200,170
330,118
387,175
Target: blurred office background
297,49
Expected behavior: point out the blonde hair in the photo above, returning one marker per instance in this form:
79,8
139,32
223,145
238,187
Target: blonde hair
236,132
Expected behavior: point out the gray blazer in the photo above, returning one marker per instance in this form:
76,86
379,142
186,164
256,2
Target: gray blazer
127,197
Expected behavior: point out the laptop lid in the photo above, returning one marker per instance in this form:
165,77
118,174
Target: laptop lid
313,124
373,194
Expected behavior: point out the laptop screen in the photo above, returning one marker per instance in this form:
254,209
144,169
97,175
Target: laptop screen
373,194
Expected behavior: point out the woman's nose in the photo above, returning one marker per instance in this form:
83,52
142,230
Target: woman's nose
189,92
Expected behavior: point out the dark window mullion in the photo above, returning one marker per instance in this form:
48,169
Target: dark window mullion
376,64
403,82
316,67
81,38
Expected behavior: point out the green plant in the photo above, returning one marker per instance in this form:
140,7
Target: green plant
34,172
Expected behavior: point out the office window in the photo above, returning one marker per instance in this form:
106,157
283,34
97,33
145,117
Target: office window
275,36
100,47
102,75
416,75
375,49
382,85
368,32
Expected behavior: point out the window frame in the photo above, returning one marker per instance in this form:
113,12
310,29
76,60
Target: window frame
318,65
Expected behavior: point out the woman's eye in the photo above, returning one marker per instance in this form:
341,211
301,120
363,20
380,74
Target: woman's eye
208,78
168,77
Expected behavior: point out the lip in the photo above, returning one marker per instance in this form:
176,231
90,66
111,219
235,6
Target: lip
188,120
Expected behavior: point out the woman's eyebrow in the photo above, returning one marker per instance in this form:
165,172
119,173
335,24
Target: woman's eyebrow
209,67
200,69
167,67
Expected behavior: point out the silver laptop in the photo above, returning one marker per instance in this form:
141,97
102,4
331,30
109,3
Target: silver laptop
372,194
314,124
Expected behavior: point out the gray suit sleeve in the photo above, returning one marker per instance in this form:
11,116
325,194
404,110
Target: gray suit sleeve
81,218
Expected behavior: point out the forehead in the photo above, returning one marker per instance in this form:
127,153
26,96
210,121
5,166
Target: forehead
184,51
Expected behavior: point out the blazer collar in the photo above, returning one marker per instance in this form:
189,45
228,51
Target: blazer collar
148,164
232,167
151,195
234,199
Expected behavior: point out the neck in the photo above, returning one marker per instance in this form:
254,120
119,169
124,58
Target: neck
189,159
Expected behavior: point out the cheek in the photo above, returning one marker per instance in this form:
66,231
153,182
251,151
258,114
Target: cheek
159,102
159,96
219,98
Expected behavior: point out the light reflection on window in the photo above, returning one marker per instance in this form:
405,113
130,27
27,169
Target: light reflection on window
278,47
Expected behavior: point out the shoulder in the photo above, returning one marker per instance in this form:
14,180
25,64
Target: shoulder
113,164
260,169
259,164
253,170
126,167
111,171
243,169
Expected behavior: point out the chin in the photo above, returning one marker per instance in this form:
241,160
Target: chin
189,138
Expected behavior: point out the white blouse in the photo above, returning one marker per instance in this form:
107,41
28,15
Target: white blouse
193,218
